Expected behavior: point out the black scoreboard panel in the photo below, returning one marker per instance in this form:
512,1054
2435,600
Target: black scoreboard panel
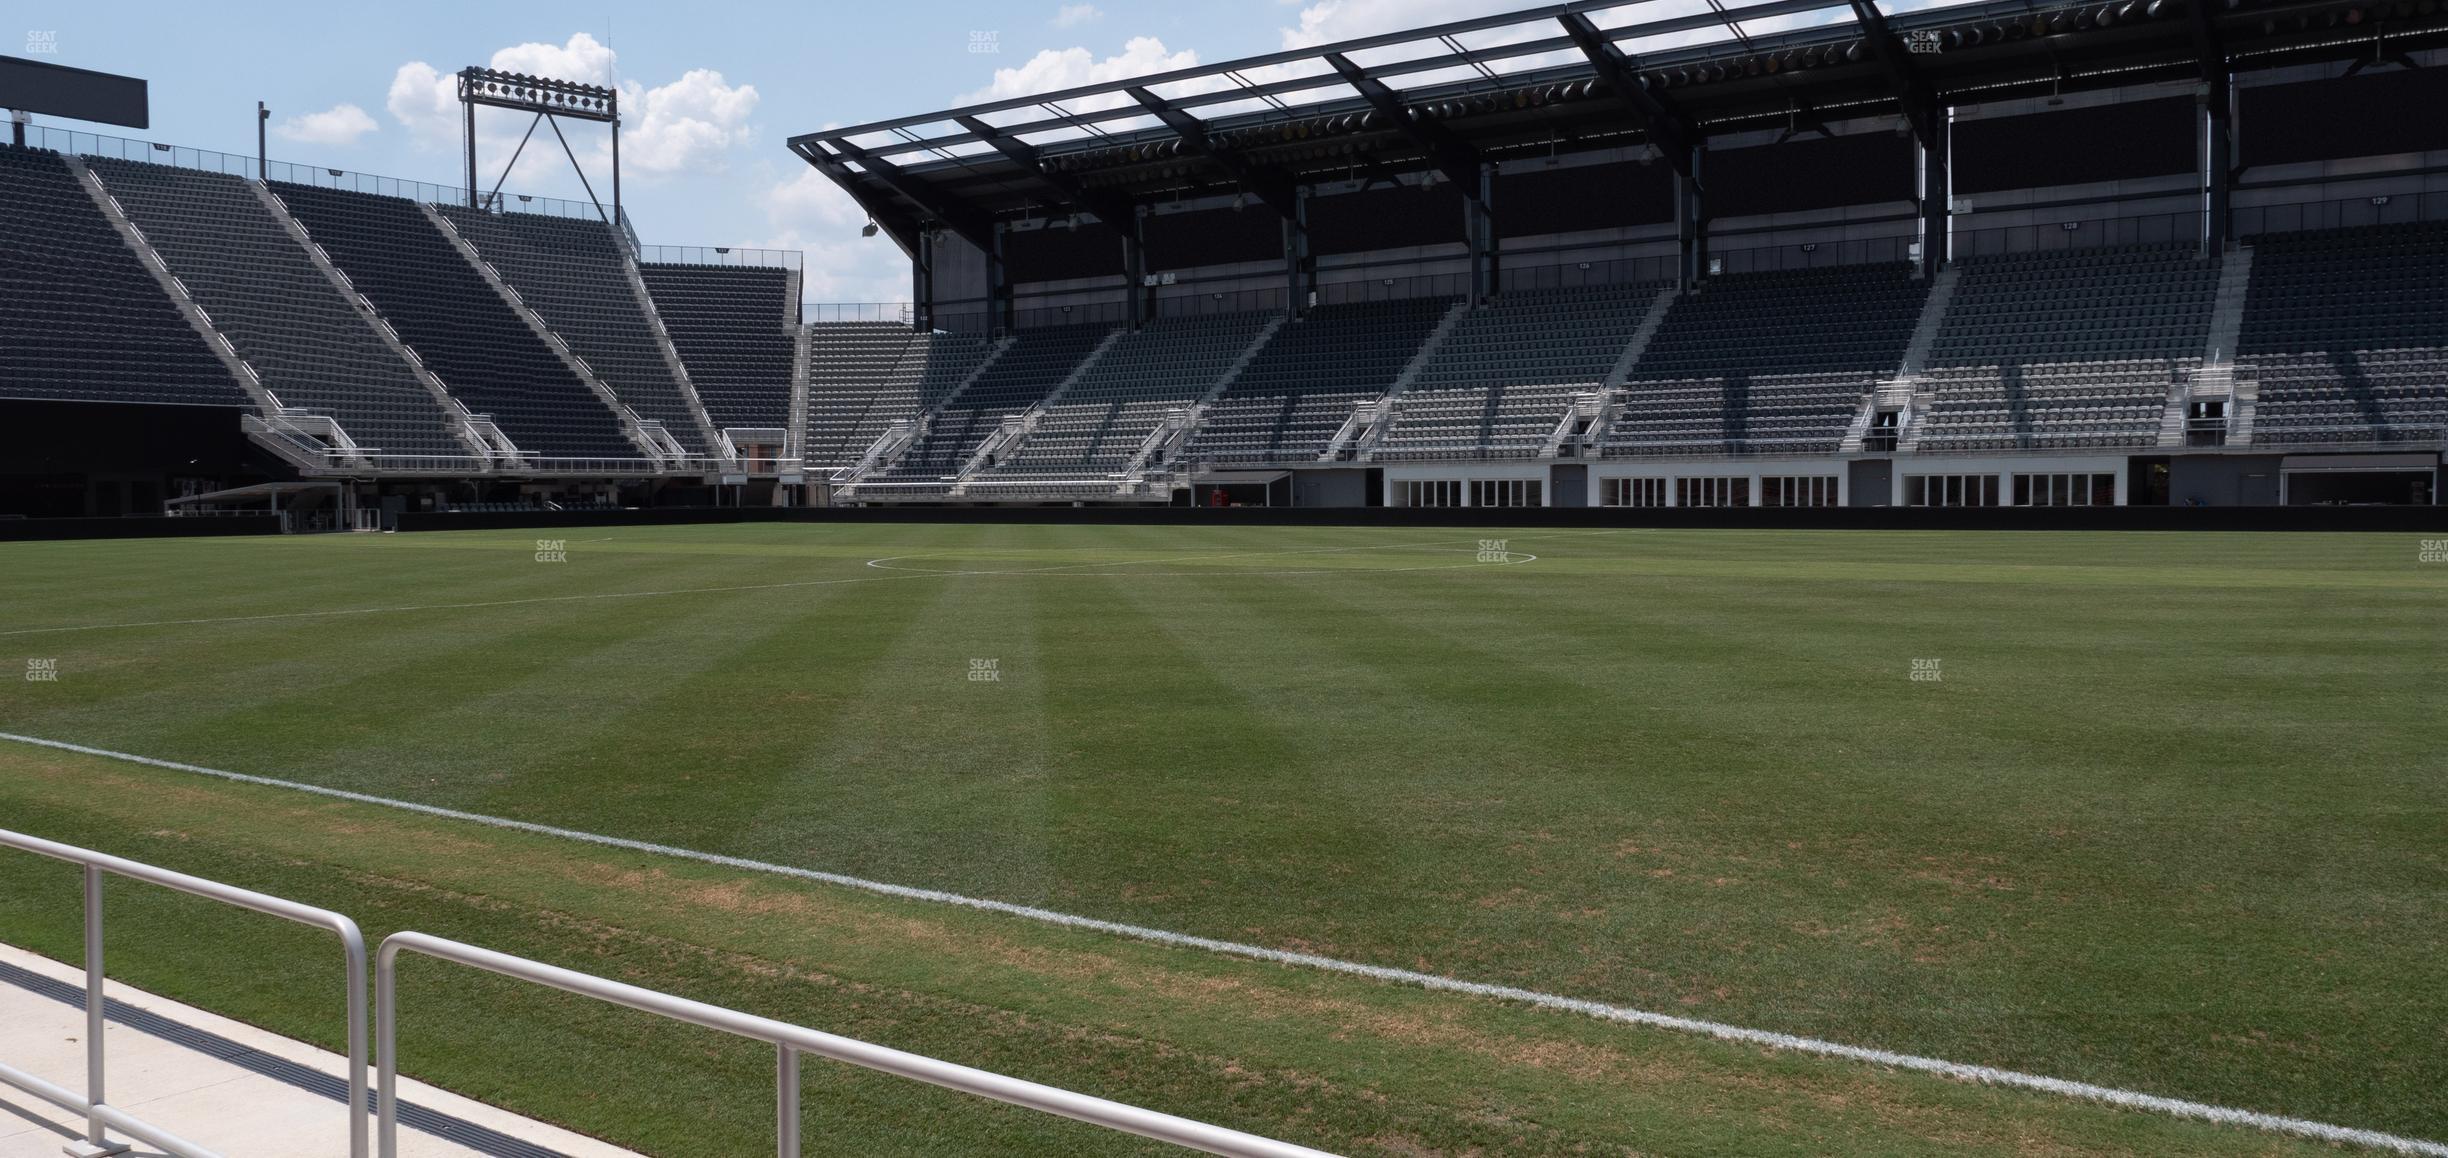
1583,197
1395,217
55,90
2365,115
2118,142
1204,237
1060,253
1806,173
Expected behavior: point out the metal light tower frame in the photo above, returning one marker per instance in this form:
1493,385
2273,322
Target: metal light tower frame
550,100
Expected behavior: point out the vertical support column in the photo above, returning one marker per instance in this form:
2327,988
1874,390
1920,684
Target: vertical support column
922,282
1300,269
1134,267
468,108
1691,224
262,115
1479,229
786,1102
1934,200
998,285
2218,166
616,205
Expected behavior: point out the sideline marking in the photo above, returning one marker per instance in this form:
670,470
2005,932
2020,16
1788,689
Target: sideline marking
1986,1075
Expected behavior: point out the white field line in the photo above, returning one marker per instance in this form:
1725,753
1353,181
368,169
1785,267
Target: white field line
903,573
2126,1099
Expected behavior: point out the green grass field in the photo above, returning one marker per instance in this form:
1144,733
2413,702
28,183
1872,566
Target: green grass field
2173,818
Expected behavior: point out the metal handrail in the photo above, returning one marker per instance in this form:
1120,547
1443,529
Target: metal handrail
99,1116
789,1042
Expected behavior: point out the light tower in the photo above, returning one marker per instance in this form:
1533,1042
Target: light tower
550,100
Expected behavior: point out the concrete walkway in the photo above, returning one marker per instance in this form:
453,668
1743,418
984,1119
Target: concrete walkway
220,1084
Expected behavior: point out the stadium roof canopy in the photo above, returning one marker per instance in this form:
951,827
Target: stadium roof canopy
1554,79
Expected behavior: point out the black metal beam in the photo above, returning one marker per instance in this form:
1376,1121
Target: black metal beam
1509,48
2218,135
1912,90
1447,151
895,220
1115,212
1670,130
2206,43
1266,184
975,227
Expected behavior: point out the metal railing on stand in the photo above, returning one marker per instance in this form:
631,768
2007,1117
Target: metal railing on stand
789,1041
100,1116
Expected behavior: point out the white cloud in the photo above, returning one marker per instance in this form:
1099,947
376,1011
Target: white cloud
1328,21
686,124
425,101
338,125
808,212
583,59
1057,68
1073,15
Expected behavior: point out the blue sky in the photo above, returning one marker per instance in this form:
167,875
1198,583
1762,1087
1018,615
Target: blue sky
710,91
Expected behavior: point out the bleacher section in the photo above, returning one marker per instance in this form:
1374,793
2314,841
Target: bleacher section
1478,422
1767,363
1540,337
80,318
313,350
1106,416
569,271
731,324
1292,398
1502,380
2348,331
2340,336
2067,350
465,332
1034,364
863,376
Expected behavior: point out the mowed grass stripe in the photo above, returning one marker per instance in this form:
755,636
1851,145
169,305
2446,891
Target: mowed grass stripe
667,697
2176,834
458,706
1331,1060
906,730
1226,755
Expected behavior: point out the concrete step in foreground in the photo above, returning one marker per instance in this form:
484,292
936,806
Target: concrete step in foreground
220,1084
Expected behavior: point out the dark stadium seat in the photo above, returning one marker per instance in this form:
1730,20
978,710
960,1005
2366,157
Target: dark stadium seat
1037,361
864,376
2347,333
1767,363
1101,422
732,325
569,271
1501,381
2073,350
1302,387
314,351
450,316
80,318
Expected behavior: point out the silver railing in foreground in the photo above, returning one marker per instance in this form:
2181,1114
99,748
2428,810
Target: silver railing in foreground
789,1041
100,1116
